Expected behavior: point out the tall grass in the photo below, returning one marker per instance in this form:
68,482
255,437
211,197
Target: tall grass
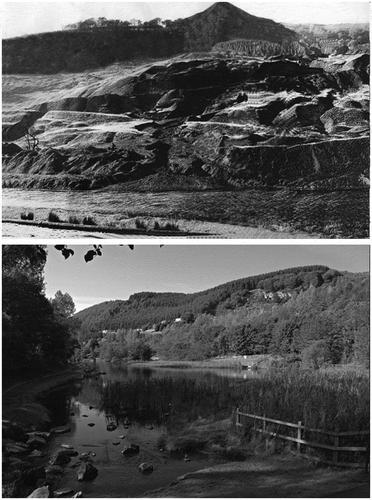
320,400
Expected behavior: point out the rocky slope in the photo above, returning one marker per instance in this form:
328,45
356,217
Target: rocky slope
227,122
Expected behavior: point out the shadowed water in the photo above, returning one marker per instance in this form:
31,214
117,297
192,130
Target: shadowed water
142,419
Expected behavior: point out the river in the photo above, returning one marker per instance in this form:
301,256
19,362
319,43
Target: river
145,404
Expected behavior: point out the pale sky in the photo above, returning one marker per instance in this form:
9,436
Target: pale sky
21,18
120,272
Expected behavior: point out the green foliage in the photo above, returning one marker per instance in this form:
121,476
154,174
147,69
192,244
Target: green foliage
140,224
73,220
34,334
324,320
89,221
149,307
27,216
53,217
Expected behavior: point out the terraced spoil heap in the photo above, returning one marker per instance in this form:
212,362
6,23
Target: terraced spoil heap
207,123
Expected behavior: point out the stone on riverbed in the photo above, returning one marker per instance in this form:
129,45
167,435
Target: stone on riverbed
15,447
61,458
63,493
37,454
87,472
61,429
42,492
131,450
36,441
146,468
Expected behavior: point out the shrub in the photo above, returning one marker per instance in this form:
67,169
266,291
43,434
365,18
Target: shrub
140,224
169,226
28,216
73,220
53,217
89,221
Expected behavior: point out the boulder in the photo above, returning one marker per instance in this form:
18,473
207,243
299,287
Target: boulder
42,434
37,454
36,441
146,468
54,470
111,427
43,492
61,429
61,458
31,476
131,450
66,492
16,447
87,472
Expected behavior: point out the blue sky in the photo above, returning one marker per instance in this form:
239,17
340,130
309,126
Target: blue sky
183,268
20,18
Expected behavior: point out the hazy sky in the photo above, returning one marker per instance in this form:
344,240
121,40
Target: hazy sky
20,18
182,268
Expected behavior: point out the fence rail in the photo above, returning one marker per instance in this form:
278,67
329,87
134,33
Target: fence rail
336,448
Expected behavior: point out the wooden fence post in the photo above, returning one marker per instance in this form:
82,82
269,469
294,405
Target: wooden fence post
264,424
299,434
237,416
337,440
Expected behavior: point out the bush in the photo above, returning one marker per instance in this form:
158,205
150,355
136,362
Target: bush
169,226
73,220
53,217
140,224
89,221
28,216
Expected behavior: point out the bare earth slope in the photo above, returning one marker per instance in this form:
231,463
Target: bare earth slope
202,123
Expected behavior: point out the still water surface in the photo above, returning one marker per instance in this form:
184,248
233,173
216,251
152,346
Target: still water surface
81,404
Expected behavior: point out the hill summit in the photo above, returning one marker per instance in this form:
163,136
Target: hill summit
223,22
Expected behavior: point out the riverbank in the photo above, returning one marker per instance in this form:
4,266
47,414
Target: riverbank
267,476
20,400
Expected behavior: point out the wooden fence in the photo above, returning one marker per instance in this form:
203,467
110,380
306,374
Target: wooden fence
260,424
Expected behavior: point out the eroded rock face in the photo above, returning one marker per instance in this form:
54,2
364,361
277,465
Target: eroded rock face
237,123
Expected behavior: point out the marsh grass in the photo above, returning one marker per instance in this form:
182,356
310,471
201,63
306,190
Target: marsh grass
327,401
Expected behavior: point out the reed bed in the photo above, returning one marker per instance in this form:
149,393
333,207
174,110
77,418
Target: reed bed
326,401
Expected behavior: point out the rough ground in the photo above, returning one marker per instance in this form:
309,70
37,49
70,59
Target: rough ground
273,476
215,230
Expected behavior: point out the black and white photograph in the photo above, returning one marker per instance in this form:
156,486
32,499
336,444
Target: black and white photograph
185,119
186,371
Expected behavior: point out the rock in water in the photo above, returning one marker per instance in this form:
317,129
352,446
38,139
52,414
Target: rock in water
131,450
87,472
61,458
42,492
146,468
61,429
63,493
